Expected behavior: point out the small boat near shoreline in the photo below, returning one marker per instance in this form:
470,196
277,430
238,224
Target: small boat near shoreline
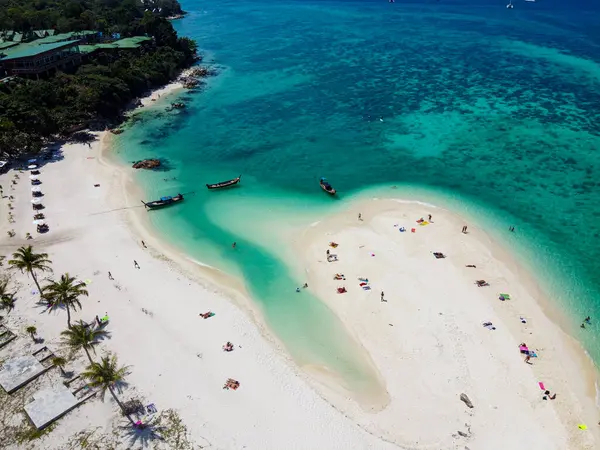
326,186
224,184
164,201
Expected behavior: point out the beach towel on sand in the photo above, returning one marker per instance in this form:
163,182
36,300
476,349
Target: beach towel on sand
541,386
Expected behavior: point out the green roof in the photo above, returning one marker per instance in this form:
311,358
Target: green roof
126,43
87,48
33,48
7,44
65,36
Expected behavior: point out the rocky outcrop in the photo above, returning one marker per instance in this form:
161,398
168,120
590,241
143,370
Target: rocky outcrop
147,164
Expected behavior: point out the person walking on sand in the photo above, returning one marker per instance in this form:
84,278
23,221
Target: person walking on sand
464,229
429,217
110,277
144,244
382,296
359,216
135,264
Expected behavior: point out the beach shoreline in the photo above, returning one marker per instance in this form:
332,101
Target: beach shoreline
111,215
585,371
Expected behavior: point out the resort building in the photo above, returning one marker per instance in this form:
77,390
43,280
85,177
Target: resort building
44,53
130,43
40,59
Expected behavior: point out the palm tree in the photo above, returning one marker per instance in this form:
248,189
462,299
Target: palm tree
26,261
81,336
31,330
7,299
60,362
106,375
65,292
7,302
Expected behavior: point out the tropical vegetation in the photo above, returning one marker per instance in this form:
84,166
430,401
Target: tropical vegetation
107,375
60,362
7,297
31,331
82,337
65,293
32,112
25,260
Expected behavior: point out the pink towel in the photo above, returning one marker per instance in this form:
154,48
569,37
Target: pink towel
542,386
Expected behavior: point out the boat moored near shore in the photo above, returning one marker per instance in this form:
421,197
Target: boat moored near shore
164,201
326,186
224,184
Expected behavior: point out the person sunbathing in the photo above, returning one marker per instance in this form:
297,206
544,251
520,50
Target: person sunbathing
481,283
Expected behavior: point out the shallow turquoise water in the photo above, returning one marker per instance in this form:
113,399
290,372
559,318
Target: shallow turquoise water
493,111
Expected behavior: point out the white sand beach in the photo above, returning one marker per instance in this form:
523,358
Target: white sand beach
175,357
426,340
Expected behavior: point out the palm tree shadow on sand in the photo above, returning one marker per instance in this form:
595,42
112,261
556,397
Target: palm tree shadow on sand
144,434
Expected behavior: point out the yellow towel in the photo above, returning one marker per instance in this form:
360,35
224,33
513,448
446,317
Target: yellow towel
424,223
581,426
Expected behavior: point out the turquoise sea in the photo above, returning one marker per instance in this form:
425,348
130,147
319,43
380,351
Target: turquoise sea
491,111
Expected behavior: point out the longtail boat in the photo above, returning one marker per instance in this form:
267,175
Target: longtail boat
224,184
326,186
164,201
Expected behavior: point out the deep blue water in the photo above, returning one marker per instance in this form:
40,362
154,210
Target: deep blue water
495,110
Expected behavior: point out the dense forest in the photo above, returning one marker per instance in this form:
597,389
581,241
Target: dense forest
32,112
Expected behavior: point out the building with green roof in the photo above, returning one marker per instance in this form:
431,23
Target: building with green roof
130,43
36,58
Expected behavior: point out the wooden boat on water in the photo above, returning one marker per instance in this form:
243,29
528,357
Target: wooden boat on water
326,186
164,201
224,184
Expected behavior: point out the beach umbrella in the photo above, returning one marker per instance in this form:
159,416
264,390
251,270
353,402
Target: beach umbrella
39,222
36,189
36,201
33,177
32,166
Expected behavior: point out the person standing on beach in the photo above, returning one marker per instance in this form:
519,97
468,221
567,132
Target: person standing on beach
110,277
430,216
382,296
464,229
135,264
144,244
359,216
